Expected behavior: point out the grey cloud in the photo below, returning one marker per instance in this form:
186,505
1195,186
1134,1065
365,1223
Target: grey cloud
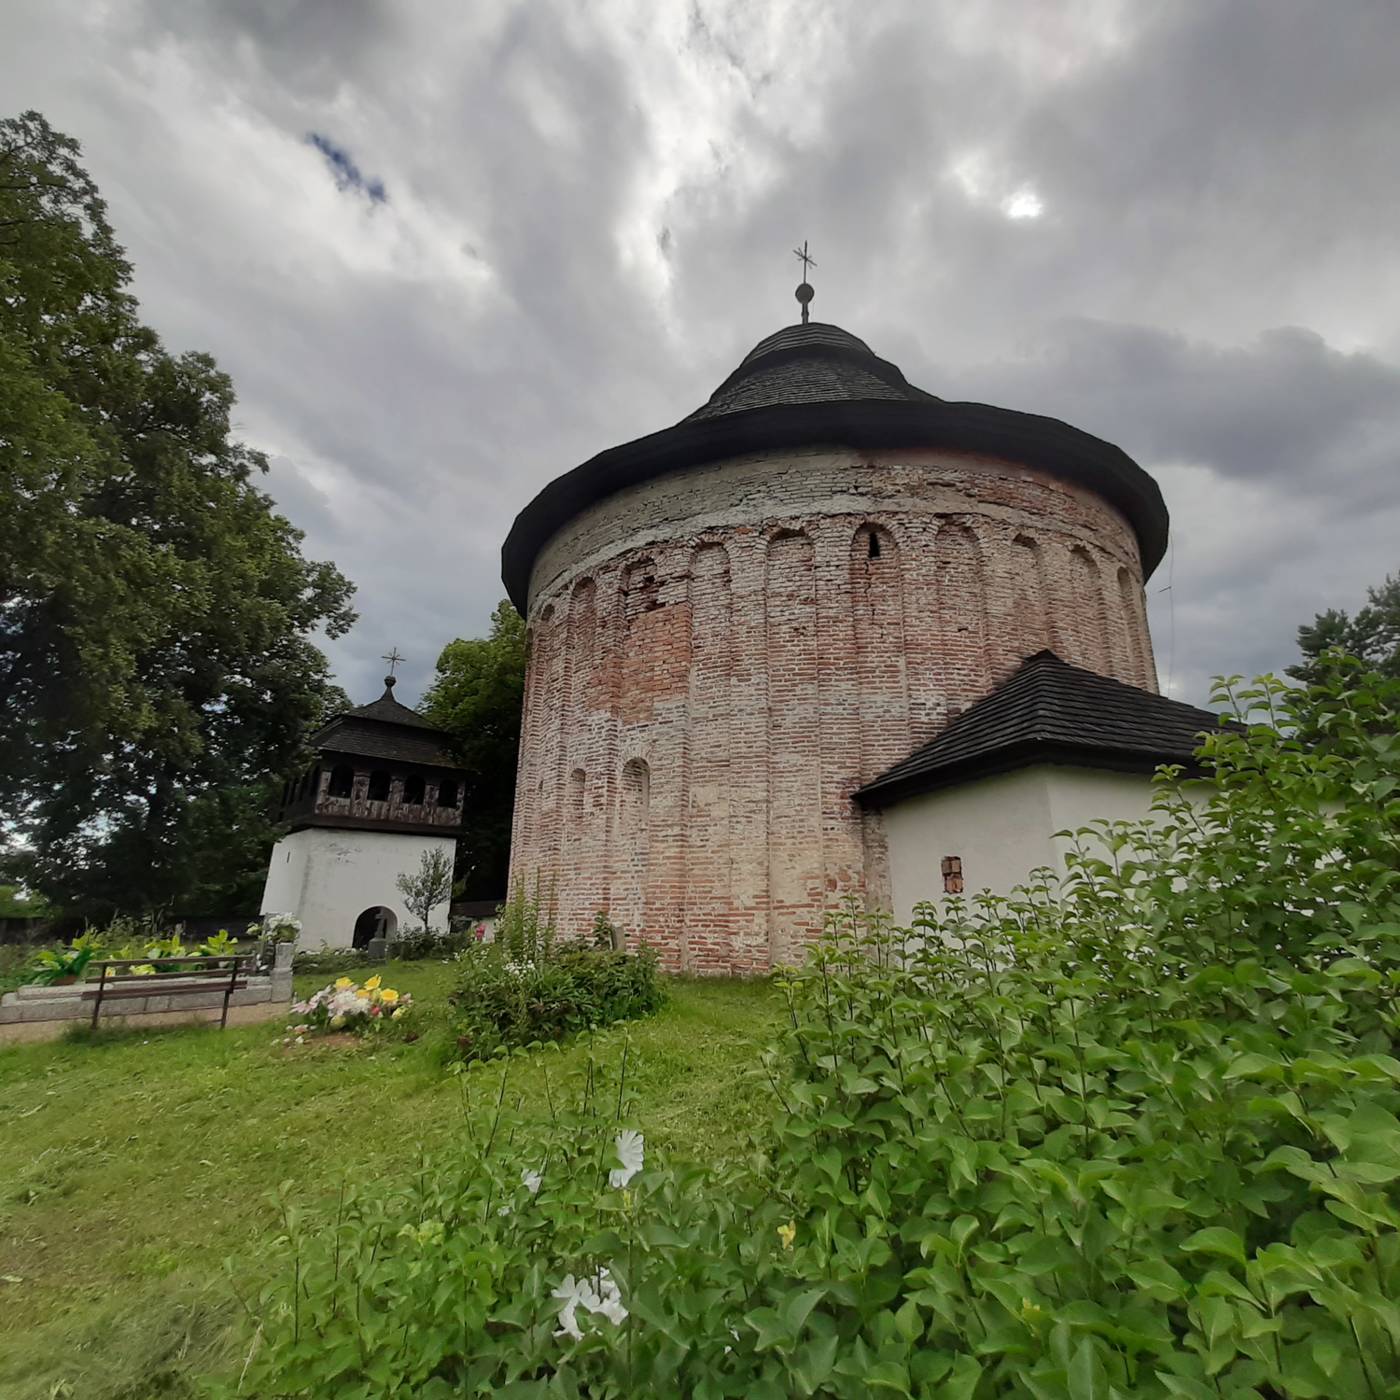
1286,408
1209,173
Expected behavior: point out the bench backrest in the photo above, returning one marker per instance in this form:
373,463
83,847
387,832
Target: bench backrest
201,965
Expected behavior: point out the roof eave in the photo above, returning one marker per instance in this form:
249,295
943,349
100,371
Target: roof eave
444,762
883,792
1030,439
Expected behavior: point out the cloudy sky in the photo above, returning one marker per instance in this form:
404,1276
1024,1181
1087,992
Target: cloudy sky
448,251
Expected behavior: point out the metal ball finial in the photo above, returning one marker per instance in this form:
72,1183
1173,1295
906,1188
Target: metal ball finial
804,292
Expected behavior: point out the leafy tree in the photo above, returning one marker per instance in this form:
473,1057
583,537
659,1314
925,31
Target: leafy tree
1372,635
155,611
476,697
428,886
14,903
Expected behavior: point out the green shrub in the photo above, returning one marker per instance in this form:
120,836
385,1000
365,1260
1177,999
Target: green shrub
500,1003
1135,1131
523,927
417,944
330,960
51,965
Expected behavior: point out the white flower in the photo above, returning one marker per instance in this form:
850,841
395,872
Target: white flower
629,1145
530,1180
573,1294
346,1004
503,1210
610,1299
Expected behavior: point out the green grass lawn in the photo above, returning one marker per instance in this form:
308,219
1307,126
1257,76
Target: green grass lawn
134,1165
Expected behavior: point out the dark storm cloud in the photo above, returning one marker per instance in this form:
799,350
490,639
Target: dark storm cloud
1285,410
1170,224
346,173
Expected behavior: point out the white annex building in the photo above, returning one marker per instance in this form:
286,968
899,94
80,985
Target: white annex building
1053,749
382,792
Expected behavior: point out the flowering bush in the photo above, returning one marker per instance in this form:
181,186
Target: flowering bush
348,1005
502,1001
1136,1133
277,928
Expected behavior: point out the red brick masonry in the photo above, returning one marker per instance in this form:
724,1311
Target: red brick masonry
720,657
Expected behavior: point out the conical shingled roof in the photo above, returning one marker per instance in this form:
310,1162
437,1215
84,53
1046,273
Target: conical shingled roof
385,729
819,385
1050,712
390,711
810,364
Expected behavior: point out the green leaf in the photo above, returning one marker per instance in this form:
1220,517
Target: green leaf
1254,1065
1086,1378
908,1321
796,1308
1215,1239
888,1375
1157,1278
963,1380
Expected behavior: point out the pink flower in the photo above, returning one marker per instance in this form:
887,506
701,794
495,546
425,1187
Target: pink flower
480,932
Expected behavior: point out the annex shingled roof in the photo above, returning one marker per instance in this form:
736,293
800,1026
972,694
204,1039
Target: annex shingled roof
1049,712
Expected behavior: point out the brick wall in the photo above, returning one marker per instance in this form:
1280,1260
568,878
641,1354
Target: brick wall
718,659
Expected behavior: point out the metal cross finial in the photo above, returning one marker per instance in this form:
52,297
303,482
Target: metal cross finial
393,658
804,291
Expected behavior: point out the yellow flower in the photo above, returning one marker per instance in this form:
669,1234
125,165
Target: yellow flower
372,983
389,996
341,983
787,1233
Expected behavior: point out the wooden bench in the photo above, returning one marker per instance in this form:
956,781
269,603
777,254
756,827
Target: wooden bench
174,977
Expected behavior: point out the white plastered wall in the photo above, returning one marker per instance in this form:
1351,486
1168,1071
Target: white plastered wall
328,878
1002,827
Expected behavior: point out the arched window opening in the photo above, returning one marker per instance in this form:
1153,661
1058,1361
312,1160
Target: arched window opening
872,545
447,793
378,786
641,592
413,790
636,792
342,781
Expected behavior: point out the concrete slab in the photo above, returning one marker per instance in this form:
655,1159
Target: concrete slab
52,1028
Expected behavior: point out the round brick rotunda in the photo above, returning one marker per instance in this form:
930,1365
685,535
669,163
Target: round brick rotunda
737,622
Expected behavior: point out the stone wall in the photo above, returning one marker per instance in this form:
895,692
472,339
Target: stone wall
45,1013
719,658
